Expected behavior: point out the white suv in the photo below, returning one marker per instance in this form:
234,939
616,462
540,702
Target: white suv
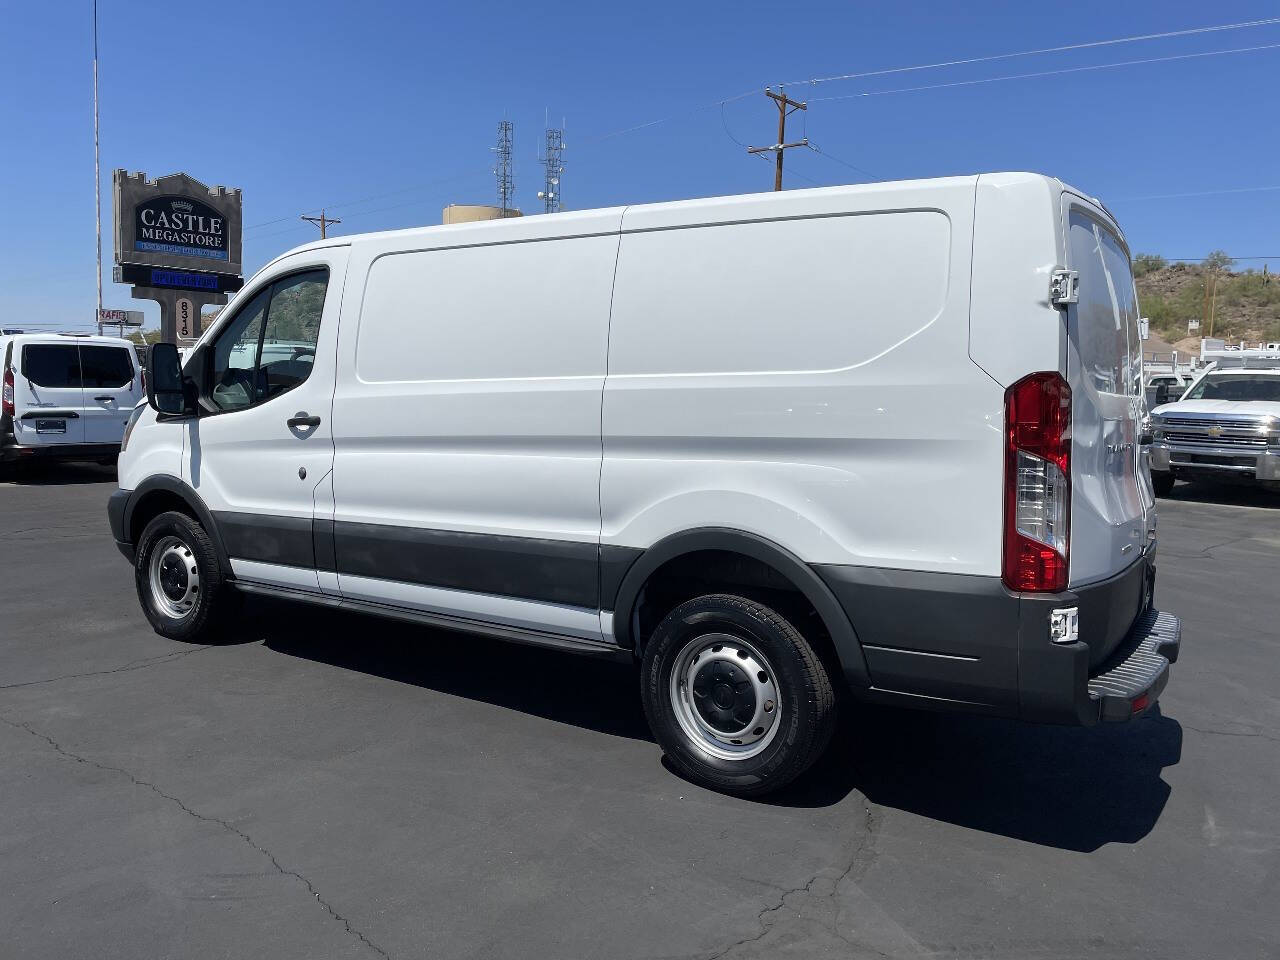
881,438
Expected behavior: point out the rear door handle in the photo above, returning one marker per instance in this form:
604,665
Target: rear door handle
104,399
303,420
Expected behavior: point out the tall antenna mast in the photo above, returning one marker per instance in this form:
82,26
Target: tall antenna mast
553,170
503,171
97,172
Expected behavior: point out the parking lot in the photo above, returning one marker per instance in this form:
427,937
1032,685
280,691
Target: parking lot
328,786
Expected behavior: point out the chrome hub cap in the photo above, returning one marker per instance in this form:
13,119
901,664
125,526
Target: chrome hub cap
174,578
725,696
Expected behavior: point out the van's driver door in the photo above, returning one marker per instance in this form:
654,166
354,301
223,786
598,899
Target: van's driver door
261,451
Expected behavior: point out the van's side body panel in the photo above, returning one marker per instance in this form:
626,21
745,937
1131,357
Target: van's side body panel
467,420
788,367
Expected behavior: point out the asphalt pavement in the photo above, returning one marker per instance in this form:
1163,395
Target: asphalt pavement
330,786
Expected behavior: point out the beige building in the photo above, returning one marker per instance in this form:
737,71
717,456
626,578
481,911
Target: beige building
470,212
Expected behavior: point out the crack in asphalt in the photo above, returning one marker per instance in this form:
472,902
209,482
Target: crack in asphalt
1262,734
125,668
861,859
1204,553
217,821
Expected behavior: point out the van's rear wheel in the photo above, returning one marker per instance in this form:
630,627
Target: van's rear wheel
1162,482
179,581
735,695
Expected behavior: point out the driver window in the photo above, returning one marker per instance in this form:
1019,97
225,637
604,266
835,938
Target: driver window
293,326
235,356
269,347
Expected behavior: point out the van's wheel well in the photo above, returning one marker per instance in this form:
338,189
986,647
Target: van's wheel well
705,572
151,506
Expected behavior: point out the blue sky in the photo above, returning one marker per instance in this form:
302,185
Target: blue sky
385,112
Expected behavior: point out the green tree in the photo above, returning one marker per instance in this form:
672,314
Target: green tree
1144,263
1217,261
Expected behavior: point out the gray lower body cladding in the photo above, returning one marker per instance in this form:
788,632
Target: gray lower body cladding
966,642
918,639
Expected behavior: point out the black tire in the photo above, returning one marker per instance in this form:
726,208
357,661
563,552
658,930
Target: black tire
1162,482
214,601
806,716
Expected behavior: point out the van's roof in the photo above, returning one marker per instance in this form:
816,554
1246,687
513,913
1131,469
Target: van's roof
526,225
36,336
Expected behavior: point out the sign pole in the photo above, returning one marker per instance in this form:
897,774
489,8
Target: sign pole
97,173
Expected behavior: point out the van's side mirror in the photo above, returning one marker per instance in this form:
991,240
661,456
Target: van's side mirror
164,380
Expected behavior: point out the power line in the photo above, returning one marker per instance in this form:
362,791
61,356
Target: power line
1233,259
378,196
831,156
893,70
948,63
1198,193
1045,50
1044,73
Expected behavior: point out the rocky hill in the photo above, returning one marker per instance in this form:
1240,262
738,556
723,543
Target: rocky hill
1245,305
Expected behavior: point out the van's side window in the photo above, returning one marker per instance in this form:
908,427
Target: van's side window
235,356
293,326
270,345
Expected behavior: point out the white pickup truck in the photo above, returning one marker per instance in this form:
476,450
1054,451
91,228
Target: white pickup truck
1226,427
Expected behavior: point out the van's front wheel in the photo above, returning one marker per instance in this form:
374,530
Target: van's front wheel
1162,482
735,695
179,582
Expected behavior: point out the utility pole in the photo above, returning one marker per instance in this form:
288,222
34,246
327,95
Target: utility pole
322,222
97,173
786,107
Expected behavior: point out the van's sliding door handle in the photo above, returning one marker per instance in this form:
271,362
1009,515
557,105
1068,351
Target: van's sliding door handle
104,399
303,420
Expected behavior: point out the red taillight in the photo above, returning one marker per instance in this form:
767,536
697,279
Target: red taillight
7,403
1037,483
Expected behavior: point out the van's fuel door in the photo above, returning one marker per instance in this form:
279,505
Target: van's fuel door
1064,287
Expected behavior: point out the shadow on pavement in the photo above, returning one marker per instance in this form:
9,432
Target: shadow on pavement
1065,787
1227,494
568,688
55,473
1074,789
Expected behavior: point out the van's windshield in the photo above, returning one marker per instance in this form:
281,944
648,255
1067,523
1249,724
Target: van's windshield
1235,386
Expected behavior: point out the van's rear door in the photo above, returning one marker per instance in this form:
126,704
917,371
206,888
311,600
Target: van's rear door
111,388
48,394
1110,498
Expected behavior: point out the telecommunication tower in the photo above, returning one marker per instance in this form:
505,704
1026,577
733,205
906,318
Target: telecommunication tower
553,170
503,171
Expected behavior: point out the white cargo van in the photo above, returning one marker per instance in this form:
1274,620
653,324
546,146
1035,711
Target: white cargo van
880,438
66,396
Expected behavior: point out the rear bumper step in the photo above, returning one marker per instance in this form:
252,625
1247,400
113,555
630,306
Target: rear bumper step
1131,681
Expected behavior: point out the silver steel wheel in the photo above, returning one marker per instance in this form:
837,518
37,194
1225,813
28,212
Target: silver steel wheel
174,575
725,696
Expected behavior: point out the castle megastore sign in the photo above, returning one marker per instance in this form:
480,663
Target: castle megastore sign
182,226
